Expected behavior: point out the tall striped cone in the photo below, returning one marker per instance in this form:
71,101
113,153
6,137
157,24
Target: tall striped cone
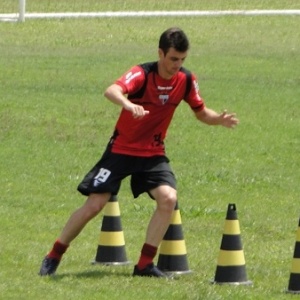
111,247
172,251
294,282
231,268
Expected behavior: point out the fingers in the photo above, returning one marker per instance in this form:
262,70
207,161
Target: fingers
232,122
227,115
229,120
139,112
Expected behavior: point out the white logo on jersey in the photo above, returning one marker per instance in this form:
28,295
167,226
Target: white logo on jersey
163,98
129,76
101,176
164,88
196,87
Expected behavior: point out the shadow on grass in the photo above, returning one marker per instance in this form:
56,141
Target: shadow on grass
99,273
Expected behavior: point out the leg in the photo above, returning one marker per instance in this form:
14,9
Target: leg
73,227
103,177
166,198
93,205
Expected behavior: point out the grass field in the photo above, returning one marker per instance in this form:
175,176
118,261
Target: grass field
55,123
132,5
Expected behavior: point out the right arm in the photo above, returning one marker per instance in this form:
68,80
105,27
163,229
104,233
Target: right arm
115,94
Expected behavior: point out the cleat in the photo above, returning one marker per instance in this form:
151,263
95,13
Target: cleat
49,266
150,271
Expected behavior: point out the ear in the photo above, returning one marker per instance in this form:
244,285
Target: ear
160,53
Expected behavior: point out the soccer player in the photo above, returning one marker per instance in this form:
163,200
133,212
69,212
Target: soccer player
148,95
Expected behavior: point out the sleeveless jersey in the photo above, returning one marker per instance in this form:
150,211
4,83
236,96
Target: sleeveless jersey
143,86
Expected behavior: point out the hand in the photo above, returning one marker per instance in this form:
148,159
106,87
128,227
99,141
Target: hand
228,120
138,111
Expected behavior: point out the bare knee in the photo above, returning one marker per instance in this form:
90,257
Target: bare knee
166,198
94,204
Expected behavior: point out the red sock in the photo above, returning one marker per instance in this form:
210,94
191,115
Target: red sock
147,254
58,250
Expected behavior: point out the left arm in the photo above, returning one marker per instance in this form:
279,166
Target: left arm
210,117
205,114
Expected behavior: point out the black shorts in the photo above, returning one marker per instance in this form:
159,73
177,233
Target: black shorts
146,173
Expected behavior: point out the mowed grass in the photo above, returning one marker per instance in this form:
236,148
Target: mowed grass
9,6
55,123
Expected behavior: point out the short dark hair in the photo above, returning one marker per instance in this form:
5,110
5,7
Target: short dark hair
175,38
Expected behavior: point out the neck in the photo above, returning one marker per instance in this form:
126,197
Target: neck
162,72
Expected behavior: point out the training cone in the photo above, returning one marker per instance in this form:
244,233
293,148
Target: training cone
172,251
111,247
231,268
294,282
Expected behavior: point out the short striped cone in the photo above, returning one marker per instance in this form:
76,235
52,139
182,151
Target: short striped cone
294,282
111,247
231,268
172,251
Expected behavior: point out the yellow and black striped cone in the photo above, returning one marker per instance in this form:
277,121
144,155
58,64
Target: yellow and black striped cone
294,282
231,267
111,247
172,251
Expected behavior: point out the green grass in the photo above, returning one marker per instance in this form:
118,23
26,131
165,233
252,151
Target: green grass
55,123
132,5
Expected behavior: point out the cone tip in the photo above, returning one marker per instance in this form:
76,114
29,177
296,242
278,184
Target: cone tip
231,206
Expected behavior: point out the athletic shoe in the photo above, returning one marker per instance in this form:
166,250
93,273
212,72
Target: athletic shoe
151,271
49,266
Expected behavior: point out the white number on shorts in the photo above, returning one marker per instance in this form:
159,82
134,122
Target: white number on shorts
101,176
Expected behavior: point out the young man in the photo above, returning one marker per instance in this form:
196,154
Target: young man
136,147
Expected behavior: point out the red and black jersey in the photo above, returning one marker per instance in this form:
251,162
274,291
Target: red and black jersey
143,86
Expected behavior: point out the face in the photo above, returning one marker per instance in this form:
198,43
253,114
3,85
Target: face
170,63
